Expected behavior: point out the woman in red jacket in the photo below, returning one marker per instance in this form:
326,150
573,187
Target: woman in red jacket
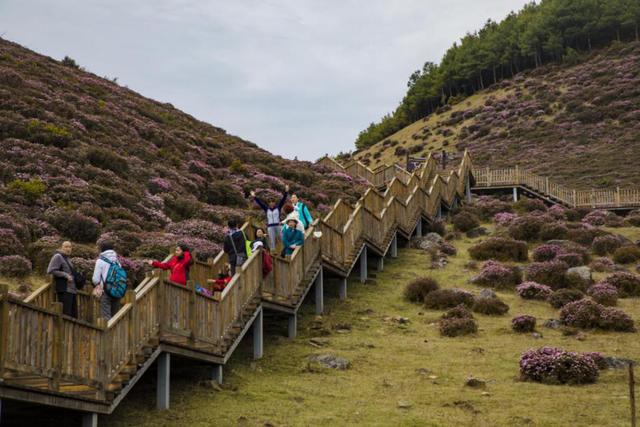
179,265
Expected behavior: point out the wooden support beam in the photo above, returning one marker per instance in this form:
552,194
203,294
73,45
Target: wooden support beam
419,227
515,194
320,293
216,373
342,289
293,326
163,385
380,266
90,419
439,215
467,188
258,343
363,265
394,246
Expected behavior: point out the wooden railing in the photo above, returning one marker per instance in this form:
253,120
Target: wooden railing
608,198
37,340
377,177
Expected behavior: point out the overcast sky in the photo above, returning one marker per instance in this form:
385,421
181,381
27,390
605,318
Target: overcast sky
297,77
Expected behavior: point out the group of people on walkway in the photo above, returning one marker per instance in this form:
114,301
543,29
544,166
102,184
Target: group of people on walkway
286,221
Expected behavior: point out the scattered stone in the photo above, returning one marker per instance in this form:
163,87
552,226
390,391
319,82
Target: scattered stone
485,393
581,336
319,342
568,331
423,371
386,383
582,274
487,293
553,324
478,350
475,383
298,399
610,362
211,385
464,405
365,312
433,237
330,361
403,404
433,377
536,335
400,320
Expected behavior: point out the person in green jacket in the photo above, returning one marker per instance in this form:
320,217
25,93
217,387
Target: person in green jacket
292,238
302,210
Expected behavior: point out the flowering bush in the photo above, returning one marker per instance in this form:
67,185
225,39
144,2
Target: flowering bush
159,185
605,244
553,230
561,297
616,320
448,298
603,293
596,218
523,323
490,306
458,312
533,290
583,233
9,243
558,212
504,219
199,229
75,225
417,290
627,254
602,265
526,204
550,273
465,221
549,365
501,249
487,206
496,275
546,252
454,327
526,228
589,314
14,266
627,284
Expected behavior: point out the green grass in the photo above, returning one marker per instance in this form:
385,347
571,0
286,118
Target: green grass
391,363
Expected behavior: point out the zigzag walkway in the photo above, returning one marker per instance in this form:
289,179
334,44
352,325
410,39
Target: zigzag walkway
91,365
492,180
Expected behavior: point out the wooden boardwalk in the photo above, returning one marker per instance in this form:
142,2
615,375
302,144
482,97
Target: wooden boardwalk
91,365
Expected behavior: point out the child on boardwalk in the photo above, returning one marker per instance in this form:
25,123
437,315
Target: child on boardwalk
179,265
303,211
273,215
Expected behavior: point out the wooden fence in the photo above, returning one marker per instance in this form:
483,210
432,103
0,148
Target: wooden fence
93,357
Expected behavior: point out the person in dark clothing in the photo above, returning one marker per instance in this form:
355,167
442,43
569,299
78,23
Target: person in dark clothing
235,246
272,209
61,268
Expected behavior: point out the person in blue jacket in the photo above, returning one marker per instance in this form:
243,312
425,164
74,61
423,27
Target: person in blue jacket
292,238
302,210
272,209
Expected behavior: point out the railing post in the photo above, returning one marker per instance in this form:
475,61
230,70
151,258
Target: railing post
257,336
130,298
575,198
4,326
517,175
90,419
58,345
488,177
292,327
468,188
319,293
363,265
618,197
192,312
546,180
103,350
593,199
342,289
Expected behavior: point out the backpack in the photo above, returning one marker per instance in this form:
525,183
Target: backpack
115,284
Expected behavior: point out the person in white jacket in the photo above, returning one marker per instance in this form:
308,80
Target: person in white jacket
109,306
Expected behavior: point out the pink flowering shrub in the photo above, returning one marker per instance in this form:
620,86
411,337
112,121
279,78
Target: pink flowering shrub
504,219
487,206
553,230
546,252
627,284
9,243
417,290
14,266
199,229
526,228
571,259
74,225
549,365
496,275
602,265
526,204
605,244
523,323
500,249
589,314
533,290
550,273
562,297
558,212
159,185
596,218
603,293
490,306
627,254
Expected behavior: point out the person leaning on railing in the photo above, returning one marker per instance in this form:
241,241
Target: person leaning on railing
235,246
292,237
179,264
67,281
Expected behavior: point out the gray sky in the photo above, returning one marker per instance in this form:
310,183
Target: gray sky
297,77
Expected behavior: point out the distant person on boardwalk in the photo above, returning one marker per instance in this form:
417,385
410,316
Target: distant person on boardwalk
109,305
303,211
292,237
261,238
235,246
272,209
179,264
65,278
289,211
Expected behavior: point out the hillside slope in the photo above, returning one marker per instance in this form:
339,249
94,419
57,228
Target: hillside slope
579,124
84,158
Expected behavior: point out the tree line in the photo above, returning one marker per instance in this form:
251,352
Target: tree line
548,31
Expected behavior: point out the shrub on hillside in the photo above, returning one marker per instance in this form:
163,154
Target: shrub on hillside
550,273
447,298
523,323
558,212
526,228
561,297
504,219
487,206
14,266
603,293
576,214
455,327
30,190
599,218
74,225
465,221
605,244
627,254
490,306
458,312
107,159
602,265
526,204
496,275
571,259
499,248
633,220
9,243
553,230
533,290
438,226
627,284
546,252
581,234
613,319
550,365
198,228
589,314
417,290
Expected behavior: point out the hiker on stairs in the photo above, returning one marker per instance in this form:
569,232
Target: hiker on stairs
273,215
292,237
303,211
67,280
235,246
179,264
108,259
